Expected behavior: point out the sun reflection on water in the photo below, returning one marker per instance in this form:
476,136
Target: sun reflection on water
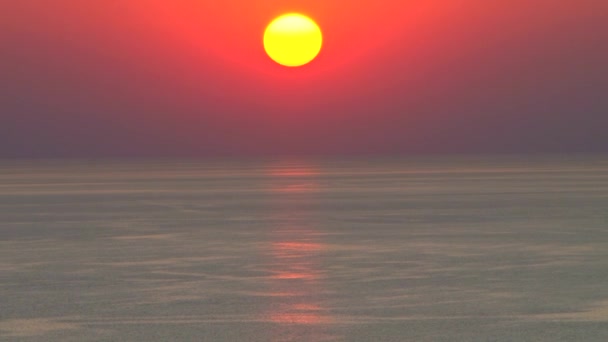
296,272
295,254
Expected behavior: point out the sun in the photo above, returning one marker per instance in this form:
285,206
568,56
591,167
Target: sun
293,40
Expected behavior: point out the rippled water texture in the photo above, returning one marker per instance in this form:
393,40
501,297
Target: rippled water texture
494,249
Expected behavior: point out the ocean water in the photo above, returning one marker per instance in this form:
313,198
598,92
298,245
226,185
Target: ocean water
435,249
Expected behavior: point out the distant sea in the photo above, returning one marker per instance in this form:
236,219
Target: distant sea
427,249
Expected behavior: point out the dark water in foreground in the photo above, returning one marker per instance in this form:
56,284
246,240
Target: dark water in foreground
422,250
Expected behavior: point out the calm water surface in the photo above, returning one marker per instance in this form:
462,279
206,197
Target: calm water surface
452,249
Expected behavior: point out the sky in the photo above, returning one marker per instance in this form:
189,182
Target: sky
190,78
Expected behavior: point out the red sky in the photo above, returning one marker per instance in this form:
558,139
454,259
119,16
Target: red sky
190,78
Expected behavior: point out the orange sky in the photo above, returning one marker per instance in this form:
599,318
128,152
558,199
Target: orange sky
394,76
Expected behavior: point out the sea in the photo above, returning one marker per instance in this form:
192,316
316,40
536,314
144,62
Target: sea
458,248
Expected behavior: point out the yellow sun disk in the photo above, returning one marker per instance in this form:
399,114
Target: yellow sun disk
293,40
